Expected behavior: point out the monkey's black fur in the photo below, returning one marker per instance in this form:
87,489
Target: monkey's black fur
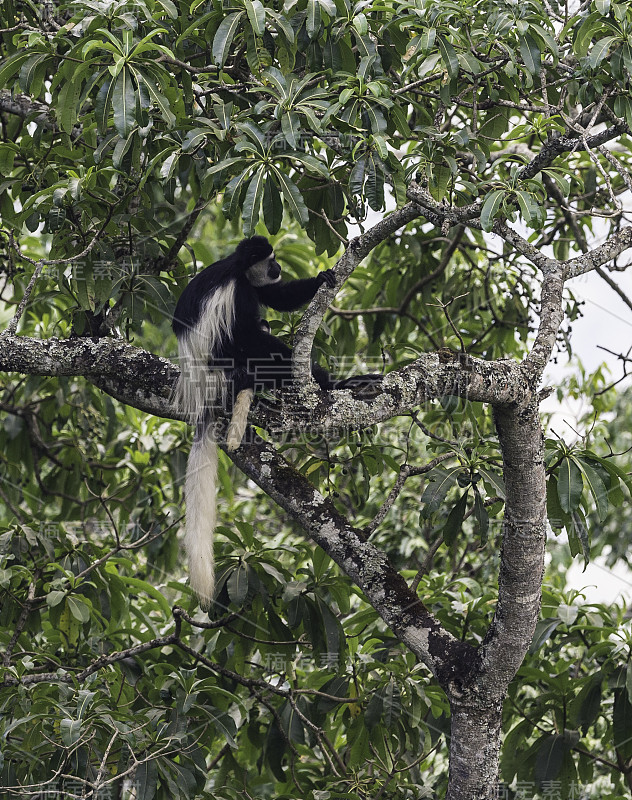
251,357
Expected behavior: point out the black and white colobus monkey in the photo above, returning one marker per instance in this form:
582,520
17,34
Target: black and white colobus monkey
225,347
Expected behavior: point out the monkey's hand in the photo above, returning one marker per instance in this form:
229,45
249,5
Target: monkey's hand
328,277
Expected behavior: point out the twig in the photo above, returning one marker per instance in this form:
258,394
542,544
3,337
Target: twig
39,266
26,609
405,471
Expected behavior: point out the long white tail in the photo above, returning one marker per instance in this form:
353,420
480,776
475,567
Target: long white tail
200,489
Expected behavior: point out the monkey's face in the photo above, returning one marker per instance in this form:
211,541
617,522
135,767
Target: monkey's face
264,272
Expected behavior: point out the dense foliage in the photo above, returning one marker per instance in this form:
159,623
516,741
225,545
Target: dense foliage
141,141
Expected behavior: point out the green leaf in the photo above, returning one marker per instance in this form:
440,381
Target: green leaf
194,139
67,101
376,119
361,24
257,56
622,723
233,194
550,758
600,50
312,163
481,516
293,198
291,126
562,183
628,681
400,120
103,103
490,208
223,113
272,207
590,27
170,8
29,71
329,7
124,103
597,488
146,587
312,21
455,519
439,483
120,150
157,97
526,204
616,472
275,77
374,186
530,52
543,630
256,15
626,51
282,24
13,65
169,166
237,585
78,608
224,37
374,709
578,535
448,56
357,177
252,201
222,165
274,748
557,518
334,634
359,754
70,731
146,779
587,705
54,598
569,485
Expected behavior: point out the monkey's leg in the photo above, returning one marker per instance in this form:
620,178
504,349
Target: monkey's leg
239,419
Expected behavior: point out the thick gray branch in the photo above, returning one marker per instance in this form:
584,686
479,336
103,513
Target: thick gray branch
567,144
524,538
143,380
525,248
128,373
455,215
448,658
469,215
551,318
26,108
358,249
610,249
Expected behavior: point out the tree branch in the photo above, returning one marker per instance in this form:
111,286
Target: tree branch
26,108
358,249
367,566
567,144
609,250
524,538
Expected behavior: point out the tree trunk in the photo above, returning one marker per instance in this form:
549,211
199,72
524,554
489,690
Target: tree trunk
474,749
477,705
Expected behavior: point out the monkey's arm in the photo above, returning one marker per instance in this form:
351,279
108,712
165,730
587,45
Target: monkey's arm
290,295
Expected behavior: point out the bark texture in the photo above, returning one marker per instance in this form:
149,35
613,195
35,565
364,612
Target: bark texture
476,706
474,750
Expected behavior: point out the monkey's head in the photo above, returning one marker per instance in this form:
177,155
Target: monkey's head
256,256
